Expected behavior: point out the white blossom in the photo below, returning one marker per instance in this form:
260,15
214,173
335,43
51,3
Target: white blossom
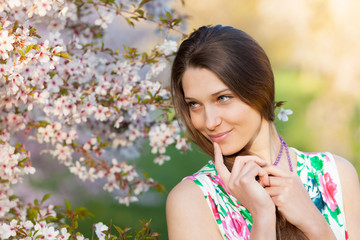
99,228
160,159
168,47
127,199
284,113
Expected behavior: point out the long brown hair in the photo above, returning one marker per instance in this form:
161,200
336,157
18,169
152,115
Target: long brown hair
243,66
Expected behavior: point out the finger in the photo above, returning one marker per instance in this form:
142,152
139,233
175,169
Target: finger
219,164
259,161
250,162
240,161
273,191
264,178
276,171
252,171
277,181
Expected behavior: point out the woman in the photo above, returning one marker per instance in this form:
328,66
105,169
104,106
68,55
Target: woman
223,89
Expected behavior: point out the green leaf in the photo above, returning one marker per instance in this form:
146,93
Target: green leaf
12,197
18,145
130,22
64,55
63,226
143,2
160,188
141,12
51,218
176,22
83,212
68,205
63,91
29,48
119,229
168,15
46,197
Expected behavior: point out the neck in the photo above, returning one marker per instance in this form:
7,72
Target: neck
266,143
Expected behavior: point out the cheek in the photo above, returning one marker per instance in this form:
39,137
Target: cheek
196,121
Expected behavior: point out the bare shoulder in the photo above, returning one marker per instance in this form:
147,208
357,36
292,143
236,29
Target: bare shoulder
183,189
188,215
351,195
184,196
346,170
348,176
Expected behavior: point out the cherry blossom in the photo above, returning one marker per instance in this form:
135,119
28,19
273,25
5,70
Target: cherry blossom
168,47
127,199
99,228
64,234
41,7
105,18
8,230
6,42
161,159
161,136
283,114
63,153
84,101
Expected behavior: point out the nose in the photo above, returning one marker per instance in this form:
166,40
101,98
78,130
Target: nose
212,119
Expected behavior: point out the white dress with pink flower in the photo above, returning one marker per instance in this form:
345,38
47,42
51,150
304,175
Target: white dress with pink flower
317,171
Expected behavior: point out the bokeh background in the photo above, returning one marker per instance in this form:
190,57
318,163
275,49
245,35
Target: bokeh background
315,52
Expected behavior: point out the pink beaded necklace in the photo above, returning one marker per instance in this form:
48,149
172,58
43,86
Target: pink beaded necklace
283,144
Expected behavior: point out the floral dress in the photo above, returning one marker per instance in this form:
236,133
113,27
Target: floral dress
319,175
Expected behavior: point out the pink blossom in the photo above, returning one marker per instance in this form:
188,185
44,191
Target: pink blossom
101,113
6,41
63,153
160,137
49,233
42,7
160,159
8,230
64,234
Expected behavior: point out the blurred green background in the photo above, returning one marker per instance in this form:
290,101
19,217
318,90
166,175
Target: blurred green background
315,55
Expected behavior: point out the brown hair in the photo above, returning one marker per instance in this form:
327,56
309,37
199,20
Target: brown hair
243,66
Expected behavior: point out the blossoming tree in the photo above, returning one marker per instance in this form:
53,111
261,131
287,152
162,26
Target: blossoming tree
83,101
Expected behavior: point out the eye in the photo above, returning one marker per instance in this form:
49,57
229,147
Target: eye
193,105
224,98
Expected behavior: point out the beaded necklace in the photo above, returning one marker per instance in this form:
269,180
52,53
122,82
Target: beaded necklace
283,144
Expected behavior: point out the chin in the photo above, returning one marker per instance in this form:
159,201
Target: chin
231,152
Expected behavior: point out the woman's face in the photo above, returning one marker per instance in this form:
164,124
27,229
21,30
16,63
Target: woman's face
218,113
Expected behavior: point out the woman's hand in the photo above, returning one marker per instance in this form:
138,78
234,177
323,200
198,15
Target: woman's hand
294,203
246,183
242,181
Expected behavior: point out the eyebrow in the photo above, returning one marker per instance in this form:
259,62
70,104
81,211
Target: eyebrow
213,94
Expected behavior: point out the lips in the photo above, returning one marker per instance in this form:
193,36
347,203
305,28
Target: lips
219,137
